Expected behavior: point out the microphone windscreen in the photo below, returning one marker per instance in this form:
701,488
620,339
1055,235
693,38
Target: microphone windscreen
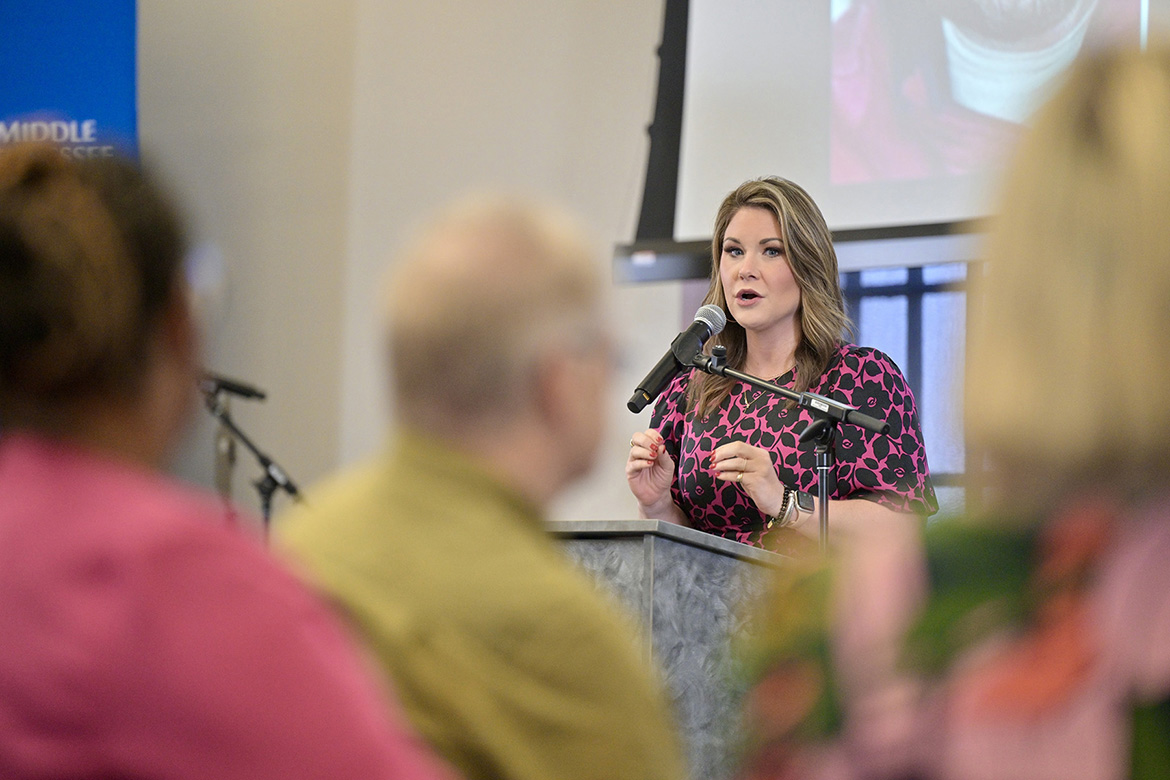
713,316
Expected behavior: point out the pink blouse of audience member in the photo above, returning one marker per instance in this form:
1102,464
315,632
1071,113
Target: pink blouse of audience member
139,638
1058,700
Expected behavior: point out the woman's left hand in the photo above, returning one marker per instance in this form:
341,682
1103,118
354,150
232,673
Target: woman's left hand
751,468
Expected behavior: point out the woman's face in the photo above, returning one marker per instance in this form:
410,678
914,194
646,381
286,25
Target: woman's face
762,294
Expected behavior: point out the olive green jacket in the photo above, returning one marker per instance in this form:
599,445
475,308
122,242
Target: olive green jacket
505,657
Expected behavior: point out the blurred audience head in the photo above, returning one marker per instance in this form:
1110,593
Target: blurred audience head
92,305
1068,381
497,325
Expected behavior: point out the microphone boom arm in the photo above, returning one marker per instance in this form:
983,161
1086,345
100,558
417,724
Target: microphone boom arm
821,406
274,476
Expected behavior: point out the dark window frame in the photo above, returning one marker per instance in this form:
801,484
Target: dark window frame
914,290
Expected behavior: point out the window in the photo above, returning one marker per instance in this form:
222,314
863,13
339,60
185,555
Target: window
918,316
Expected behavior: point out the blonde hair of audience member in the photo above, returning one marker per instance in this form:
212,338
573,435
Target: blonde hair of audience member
808,245
96,339
498,341
1068,380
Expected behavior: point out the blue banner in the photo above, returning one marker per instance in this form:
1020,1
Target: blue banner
68,75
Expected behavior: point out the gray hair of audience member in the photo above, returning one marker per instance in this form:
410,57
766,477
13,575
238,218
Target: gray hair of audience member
1068,380
475,302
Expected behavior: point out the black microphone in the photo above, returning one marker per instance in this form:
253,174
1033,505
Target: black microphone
214,383
709,320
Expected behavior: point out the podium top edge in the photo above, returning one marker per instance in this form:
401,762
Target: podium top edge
582,529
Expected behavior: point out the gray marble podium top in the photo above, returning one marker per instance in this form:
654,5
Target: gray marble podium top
578,529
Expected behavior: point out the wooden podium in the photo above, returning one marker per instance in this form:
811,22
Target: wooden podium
692,593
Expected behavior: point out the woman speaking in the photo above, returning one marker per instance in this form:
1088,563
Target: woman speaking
724,458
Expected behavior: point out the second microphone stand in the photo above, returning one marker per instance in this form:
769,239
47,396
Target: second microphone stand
274,478
822,431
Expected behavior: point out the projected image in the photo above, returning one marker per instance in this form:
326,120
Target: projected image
928,88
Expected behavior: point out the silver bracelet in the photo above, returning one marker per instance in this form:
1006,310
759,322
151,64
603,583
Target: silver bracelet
788,513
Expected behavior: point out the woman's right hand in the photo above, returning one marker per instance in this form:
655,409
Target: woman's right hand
650,471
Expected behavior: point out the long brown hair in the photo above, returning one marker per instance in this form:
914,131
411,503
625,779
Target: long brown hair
808,248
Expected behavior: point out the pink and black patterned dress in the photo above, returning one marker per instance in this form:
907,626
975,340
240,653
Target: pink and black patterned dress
890,469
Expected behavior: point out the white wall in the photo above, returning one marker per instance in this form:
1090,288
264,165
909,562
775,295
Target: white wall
308,139
246,105
544,99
